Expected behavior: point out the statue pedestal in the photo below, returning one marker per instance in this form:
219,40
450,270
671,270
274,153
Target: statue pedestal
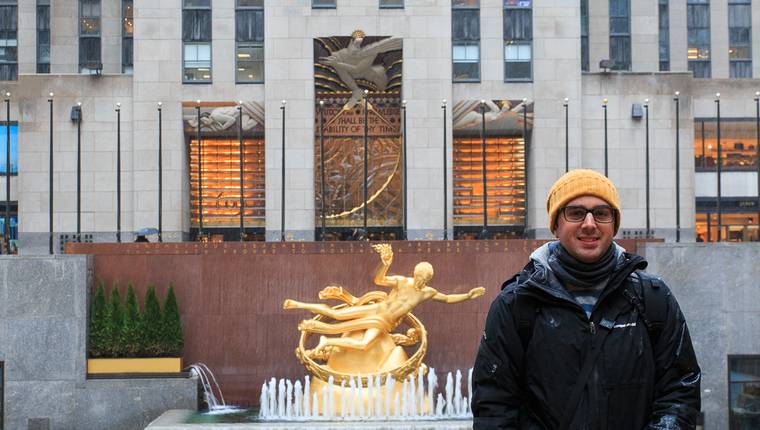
402,401
381,357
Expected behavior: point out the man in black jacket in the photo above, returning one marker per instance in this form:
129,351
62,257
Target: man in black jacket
580,338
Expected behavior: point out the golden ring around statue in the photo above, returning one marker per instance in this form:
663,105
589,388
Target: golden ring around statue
400,373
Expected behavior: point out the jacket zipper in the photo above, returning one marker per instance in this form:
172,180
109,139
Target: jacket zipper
592,328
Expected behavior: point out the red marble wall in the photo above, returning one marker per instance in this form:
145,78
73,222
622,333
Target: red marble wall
230,295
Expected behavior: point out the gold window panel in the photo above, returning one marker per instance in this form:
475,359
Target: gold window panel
505,181
221,182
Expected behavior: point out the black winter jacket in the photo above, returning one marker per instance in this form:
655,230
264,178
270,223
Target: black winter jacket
634,384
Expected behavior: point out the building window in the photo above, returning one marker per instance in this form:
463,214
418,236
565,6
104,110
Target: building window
323,4
738,145
620,34
4,148
505,143
698,36
13,208
89,36
664,34
744,392
740,38
13,222
518,39
127,31
736,222
249,41
391,4
8,40
221,185
465,32
584,36
196,41
43,36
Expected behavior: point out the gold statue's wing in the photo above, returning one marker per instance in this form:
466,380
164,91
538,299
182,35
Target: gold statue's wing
385,45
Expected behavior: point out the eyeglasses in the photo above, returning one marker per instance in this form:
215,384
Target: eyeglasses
601,214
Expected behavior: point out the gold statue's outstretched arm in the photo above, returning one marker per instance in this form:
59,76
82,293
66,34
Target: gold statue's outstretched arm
456,298
386,258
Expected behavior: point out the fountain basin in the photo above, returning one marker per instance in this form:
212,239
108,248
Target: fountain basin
178,420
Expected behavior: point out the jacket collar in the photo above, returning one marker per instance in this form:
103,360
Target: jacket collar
537,278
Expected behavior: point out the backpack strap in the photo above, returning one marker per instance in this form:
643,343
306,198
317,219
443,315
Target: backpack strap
653,305
525,310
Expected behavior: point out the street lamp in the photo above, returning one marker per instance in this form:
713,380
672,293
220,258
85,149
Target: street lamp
118,172
366,160
525,165
604,106
646,162
720,221
678,167
78,115
200,169
160,175
242,166
757,154
282,195
403,111
7,230
567,136
484,232
322,169
50,172
445,182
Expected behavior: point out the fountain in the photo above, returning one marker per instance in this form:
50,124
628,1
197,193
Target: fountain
360,370
411,403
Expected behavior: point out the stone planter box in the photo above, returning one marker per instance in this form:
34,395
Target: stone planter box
100,366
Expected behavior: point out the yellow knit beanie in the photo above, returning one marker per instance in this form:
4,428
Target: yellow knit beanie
577,183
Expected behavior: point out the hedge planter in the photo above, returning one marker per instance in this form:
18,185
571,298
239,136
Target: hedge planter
100,366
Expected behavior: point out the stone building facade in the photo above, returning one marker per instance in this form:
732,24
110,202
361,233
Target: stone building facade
160,59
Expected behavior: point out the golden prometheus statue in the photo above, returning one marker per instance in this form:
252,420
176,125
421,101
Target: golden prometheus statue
360,343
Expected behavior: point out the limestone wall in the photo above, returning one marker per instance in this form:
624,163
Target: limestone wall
717,288
43,342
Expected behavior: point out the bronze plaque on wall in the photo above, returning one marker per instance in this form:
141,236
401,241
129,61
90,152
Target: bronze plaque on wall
357,82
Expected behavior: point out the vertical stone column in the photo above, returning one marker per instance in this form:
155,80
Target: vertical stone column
64,37
644,36
678,36
27,37
755,31
290,78
110,35
598,32
556,75
719,39
157,77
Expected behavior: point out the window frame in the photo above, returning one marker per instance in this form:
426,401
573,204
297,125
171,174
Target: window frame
127,36
466,43
730,360
585,58
701,62
186,7
701,121
390,6
333,5
83,69
12,65
42,67
748,45
628,65
3,150
521,42
249,44
663,35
